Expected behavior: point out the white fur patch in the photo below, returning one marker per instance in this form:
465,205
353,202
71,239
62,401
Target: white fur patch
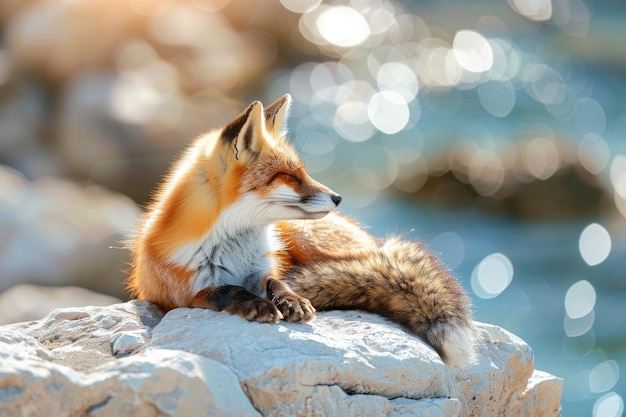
234,250
459,346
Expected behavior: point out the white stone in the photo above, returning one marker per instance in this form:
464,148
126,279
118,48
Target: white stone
343,362
56,232
26,302
126,359
162,383
373,353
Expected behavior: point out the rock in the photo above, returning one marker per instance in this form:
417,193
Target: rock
541,396
55,41
338,362
56,232
31,302
536,179
129,359
35,46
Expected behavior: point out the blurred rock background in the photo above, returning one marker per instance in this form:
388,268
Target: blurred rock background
493,130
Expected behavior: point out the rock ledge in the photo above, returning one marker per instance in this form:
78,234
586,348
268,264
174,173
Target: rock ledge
129,359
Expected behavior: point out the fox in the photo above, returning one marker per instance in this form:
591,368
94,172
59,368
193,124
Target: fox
238,225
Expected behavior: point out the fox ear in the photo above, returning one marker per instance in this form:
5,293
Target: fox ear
276,115
246,131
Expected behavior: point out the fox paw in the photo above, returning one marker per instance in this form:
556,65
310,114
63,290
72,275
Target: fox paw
295,308
261,310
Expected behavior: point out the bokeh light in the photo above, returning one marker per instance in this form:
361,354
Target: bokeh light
604,376
301,6
594,153
388,111
451,247
541,158
497,97
342,26
399,78
472,51
594,244
580,299
538,10
578,326
609,405
618,175
492,276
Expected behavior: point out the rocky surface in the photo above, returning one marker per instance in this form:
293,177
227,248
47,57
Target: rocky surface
57,232
129,359
27,302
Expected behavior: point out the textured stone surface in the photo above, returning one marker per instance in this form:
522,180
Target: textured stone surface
129,359
338,362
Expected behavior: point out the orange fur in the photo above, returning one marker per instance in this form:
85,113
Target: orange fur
238,225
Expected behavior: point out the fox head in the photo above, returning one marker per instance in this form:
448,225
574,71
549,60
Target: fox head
272,184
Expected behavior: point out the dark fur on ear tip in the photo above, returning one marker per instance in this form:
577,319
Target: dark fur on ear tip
276,115
233,128
272,109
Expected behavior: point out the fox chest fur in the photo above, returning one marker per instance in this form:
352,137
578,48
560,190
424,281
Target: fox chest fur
241,258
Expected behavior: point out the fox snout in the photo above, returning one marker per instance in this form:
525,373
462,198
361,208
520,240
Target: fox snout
315,200
324,198
321,203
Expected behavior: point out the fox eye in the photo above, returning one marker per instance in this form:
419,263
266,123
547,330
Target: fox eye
286,178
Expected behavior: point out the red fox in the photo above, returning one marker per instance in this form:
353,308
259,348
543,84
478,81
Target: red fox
238,225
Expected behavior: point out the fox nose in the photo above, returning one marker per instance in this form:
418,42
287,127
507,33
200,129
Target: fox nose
336,199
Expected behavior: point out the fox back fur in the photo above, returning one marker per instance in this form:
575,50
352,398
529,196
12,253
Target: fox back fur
238,225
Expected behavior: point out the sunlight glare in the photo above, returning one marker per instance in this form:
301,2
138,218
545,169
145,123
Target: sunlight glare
343,26
398,77
352,123
388,111
492,276
580,299
594,244
541,158
609,405
472,51
301,6
594,153
604,376
618,175
579,326
538,10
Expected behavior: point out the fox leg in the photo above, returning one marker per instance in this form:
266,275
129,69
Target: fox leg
239,301
292,306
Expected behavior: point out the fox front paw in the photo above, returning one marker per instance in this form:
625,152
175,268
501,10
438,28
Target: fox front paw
259,309
294,308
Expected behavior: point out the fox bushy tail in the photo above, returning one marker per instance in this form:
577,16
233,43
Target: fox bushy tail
400,280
